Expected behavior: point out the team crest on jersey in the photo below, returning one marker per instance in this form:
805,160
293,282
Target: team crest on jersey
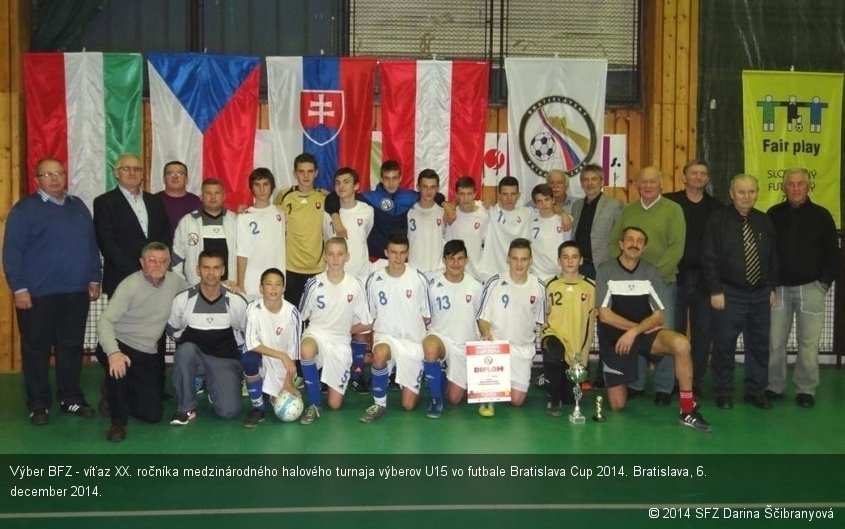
193,239
349,298
279,330
386,204
469,298
532,299
318,205
360,222
278,217
518,219
439,221
583,296
477,225
408,293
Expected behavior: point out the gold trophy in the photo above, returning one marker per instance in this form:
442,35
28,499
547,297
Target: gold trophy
577,373
599,416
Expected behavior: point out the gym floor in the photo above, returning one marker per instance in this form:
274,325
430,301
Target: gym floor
754,457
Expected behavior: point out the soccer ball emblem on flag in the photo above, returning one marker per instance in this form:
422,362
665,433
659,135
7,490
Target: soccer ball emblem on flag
557,132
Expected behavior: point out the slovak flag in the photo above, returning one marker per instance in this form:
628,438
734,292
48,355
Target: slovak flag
322,106
434,117
204,113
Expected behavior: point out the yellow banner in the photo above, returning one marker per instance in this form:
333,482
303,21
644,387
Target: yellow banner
793,119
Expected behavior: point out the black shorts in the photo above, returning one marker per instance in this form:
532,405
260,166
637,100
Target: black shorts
622,369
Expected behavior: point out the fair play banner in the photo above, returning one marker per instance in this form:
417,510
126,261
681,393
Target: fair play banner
793,119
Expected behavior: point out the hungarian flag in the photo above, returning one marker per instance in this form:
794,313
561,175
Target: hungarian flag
204,113
434,117
322,106
83,109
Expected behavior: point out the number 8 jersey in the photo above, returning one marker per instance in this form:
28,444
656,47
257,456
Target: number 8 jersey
399,304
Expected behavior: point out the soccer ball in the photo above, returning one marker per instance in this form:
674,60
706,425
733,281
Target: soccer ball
543,146
288,407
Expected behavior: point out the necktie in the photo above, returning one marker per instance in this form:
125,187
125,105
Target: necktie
752,254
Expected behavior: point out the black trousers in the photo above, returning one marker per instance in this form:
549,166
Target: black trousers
295,286
57,320
139,392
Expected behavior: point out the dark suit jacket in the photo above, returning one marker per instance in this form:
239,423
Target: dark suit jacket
120,236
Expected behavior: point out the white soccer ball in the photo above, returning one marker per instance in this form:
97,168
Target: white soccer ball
542,146
288,407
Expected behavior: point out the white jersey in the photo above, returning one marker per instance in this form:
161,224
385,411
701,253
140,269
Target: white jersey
513,309
425,234
358,222
261,239
546,236
454,306
504,227
280,331
332,309
399,304
472,229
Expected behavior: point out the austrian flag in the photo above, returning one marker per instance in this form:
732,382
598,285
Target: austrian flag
434,117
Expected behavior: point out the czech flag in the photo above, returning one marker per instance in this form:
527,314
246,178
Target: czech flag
205,113
322,106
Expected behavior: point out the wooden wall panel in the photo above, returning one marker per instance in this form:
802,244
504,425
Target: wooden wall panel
670,76
661,132
14,27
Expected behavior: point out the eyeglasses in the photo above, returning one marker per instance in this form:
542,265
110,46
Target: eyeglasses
175,173
56,174
130,169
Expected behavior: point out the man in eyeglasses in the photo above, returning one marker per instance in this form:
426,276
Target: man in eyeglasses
177,200
52,265
127,218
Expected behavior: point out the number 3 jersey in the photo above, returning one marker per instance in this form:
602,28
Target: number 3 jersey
399,304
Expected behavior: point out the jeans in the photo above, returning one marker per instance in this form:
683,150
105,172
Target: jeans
746,311
694,301
664,370
806,303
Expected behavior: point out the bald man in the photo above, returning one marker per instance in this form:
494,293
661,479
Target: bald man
663,221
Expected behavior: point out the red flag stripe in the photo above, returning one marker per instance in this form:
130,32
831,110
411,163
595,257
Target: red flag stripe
46,112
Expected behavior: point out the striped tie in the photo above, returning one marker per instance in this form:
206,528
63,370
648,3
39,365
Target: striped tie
752,254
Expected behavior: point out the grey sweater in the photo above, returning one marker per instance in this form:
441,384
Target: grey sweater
137,312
